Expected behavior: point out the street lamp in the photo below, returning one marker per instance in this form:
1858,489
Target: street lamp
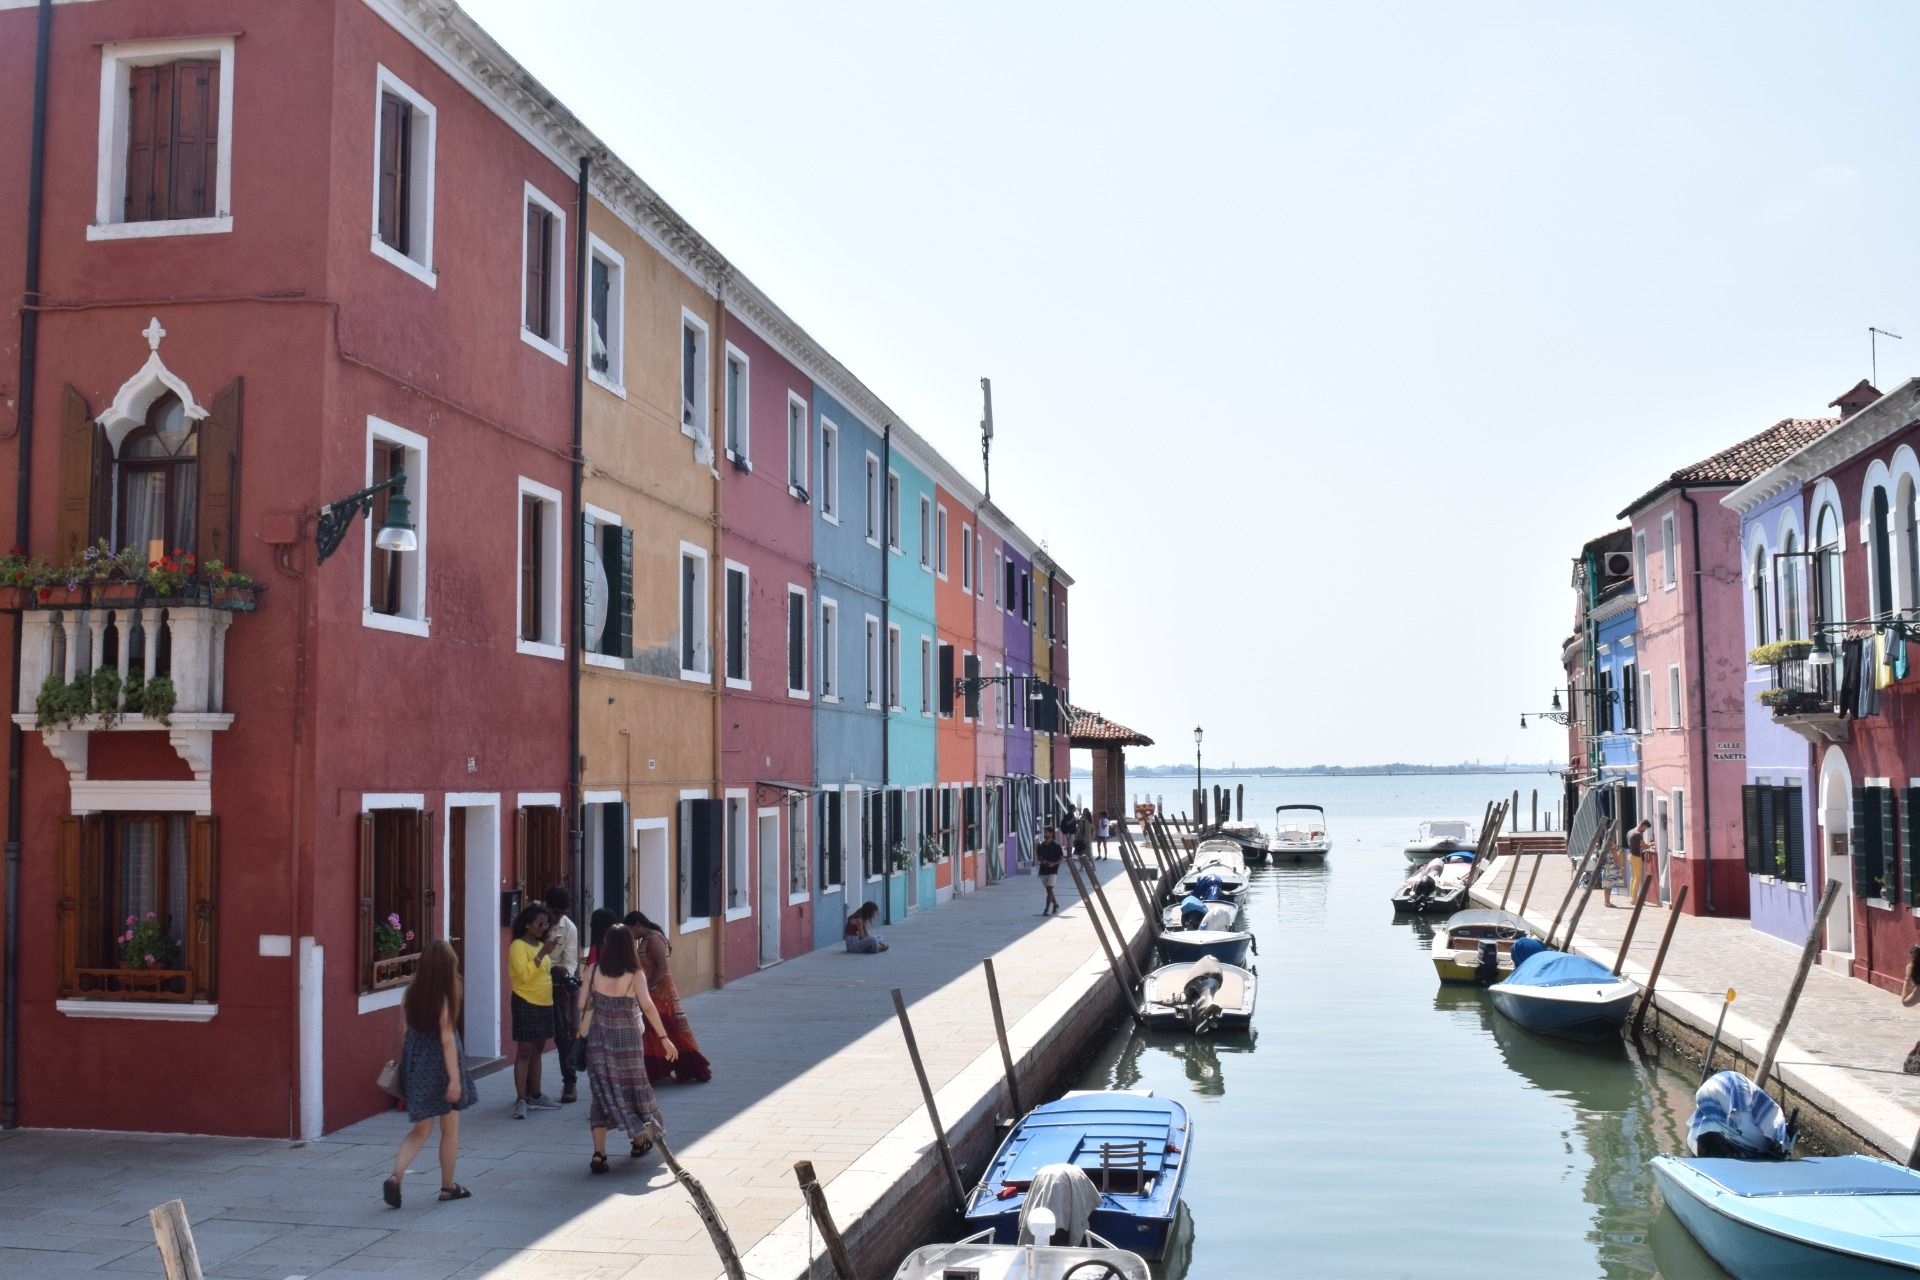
1199,789
396,531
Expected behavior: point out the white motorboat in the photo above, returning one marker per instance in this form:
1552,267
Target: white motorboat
1560,994
1201,996
1441,835
1299,833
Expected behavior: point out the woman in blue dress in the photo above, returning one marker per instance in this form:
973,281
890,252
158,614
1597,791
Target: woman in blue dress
433,1069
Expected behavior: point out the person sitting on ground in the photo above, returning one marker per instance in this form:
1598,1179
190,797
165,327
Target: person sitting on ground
1911,987
859,939
1049,855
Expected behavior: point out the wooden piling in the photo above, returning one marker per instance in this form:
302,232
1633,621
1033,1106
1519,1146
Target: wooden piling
173,1237
1113,962
1532,876
1513,810
1127,855
1586,896
1119,938
816,1198
1000,1034
1573,886
1536,808
1513,873
1659,958
926,1095
1808,954
1633,922
702,1205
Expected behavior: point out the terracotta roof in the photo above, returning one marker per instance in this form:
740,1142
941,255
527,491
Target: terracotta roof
1739,463
1091,729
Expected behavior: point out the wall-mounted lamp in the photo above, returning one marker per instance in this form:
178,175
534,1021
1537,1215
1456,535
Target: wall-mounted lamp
396,531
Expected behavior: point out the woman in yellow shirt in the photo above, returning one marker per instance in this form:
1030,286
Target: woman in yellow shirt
530,973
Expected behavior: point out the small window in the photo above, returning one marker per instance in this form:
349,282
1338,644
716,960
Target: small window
940,542
1630,697
1880,533
700,833
739,438
607,583
893,510
1757,586
893,669
873,663
396,884
396,581
1641,569
926,676
874,516
997,694
829,471
1669,554
966,558
926,535
538,599
737,669
694,413
828,645
797,451
1787,592
1002,570
543,288
1646,700
166,126
980,564
799,848
943,680
146,874
738,887
606,312
1679,819
1026,597
797,642
403,178
695,660
1676,704
832,839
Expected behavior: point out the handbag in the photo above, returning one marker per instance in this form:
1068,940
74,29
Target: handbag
389,1080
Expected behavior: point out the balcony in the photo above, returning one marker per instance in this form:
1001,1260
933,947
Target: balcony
1802,699
186,644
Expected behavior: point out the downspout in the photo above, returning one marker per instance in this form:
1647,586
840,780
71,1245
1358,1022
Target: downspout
1700,661
888,515
570,538
23,496
716,604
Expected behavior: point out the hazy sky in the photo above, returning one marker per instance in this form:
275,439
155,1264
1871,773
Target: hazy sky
1321,335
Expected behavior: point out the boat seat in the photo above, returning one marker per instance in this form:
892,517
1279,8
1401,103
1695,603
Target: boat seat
1231,993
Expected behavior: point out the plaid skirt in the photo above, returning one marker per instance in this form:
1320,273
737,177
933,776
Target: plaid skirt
532,1023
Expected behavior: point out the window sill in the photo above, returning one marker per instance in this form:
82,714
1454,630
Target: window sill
739,913
541,345
166,227
1881,904
798,494
374,1001
800,695
418,270
394,622
604,660
830,699
137,1010
698,677
830,518
541,649
611,384
736,684
795,899
873,542
827,891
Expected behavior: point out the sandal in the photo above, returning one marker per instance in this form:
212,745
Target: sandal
599,1163
454,1192
641,1148
390,1192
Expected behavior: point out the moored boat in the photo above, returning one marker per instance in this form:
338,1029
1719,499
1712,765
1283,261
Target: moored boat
1299,833
978,1257
1438,888
1252,841
1559,994
1184,946
1460,948
1202,996
1133,1146
1440,836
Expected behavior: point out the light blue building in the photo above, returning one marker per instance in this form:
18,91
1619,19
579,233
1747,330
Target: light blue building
912,764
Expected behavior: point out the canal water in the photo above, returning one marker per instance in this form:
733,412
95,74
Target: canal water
1376,1124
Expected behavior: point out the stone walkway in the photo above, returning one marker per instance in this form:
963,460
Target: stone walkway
809,1064
1847,1039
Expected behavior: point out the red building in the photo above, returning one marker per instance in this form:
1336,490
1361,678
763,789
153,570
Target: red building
226,341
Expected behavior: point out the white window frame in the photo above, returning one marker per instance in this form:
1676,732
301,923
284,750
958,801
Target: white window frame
961,673
703,603
966,557
698,397
940,528
1641,571
892,506
1669,553
999,581
744,454
678,849
595,519
413,620
800,850
551,515
748,822
110,192
928,704
799,450
745,679
420,149
1646,701
615,378
829,471
875,689
999,703
801,692
876,499
827,645
892,669
1679,821
555,346
1676,694
926,534
980,563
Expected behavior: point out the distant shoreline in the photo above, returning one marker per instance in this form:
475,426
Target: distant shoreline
1159,772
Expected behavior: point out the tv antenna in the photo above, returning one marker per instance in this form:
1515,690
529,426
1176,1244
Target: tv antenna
1874,334
986,439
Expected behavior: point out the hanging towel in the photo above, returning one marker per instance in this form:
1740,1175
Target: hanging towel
1848,677
1897,653
1882,672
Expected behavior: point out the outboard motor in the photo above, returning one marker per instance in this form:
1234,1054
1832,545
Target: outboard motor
1487,971
1192,912
1201,1009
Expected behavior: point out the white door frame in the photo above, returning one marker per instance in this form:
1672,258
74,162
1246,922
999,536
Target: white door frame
653,886
480,932
1836,819
773,888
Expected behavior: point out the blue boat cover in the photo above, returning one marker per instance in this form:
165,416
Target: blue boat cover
1732,1106
1460,855
1812,1176
1208,888
1558,969
1524,949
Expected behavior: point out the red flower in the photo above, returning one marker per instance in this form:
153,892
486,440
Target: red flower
46,593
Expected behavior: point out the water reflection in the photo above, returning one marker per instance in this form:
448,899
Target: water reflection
1198,1056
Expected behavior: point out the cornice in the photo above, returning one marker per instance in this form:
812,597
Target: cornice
1613,608
1894,411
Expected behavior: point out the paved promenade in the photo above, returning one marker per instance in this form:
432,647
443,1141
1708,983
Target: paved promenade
1847,1039
808,1064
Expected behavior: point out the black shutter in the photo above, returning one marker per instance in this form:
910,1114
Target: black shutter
971,669
1863,833
396,138
946,679
700,849
796,641
832,842
1630,700
1769,824
1887,853
1754,832
1793,809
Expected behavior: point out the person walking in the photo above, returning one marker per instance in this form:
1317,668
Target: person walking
1637,851
433,1069
566,987
688,1065
1049,855
529,973
597,925
861,940
1083,836
1611,872
617,1076
1106,832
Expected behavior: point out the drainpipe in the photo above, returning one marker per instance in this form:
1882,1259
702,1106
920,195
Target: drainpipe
888,516
23,495
717,603
1700,661
570,535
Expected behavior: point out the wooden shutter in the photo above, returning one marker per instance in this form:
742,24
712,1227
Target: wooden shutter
518,873
971,669
946,679
539,263
1885,851
1793,811
613,859
364,970
66,906
149,110
623,597
396,141
425,861
703,851
1865,829
195,143
833,847
1910,846
202,927
80,450
219,449
530,601
1753,832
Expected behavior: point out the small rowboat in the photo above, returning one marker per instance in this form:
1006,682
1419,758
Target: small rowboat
1835,1217
1203,996
1559,994
1457,947
1438,888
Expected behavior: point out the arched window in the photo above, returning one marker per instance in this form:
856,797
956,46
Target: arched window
1909,527
1826,564
1788,591
1881,532
158,479
1762,631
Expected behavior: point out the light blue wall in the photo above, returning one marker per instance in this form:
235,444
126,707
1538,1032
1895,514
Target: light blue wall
1619,752
911,747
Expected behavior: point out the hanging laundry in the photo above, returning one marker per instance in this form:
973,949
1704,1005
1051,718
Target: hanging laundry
1882,670
1897,652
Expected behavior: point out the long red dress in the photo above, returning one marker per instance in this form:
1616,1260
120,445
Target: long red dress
692,1065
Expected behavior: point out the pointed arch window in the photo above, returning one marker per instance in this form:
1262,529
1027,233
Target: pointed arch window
157,479
1881,530
1789,589
1762,632
1826,600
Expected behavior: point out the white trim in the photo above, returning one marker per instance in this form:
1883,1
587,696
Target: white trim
665,826
829,652
278,946
615,378
374,1001
700,429
829,487
703,599
942,527
414,566
537,800
804,452
451,801
96,795
137,1010
312,1027
110,181
1669,553
1676,697
875,670
802,693
420,178
745,679
876,496
727,796
553,518
929,696
555,346
892,658
960,702
890,507
968,578
1640,570
744,454
371,800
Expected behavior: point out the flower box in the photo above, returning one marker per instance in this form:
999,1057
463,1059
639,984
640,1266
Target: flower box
58,596
395,971
112,593
237,599
14,598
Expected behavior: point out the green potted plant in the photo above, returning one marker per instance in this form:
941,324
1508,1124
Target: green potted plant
156,699
21,576
59,704
930,851
169,576
902,856
63,588
390,937
103,687
231,588
145,945
1780,866
1767,655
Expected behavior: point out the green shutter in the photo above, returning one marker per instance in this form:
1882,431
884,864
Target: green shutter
1795,830
1750,819
1887,854
622,594
1910,846
1861,837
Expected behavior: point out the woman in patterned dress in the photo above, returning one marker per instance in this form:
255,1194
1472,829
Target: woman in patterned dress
616,1058
433,1069
689,1065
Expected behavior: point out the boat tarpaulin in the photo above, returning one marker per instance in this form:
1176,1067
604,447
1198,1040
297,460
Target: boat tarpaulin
1732,1106
1559,969
1817,1176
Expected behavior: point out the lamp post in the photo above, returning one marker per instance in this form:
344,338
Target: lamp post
396,530
1199,787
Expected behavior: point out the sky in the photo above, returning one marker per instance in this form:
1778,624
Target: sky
1321,336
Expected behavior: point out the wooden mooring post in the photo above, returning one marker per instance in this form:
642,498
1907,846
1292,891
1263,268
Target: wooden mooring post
1659,959
1127,855
1113,961
926,1095
1573,886
1586,896
1000,1034
173,1237
702,1205
1808,954
1106,908
1532,876
816,1198
1633,921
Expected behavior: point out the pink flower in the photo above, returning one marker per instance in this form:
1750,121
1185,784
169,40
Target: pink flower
151,916
151,962
394,919
409,935
129,919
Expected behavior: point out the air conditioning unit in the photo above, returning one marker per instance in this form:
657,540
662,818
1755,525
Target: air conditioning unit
1619,564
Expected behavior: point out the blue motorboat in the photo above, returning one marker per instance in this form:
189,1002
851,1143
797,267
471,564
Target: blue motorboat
1836,1217
1228,946
1133,1146
1560,994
